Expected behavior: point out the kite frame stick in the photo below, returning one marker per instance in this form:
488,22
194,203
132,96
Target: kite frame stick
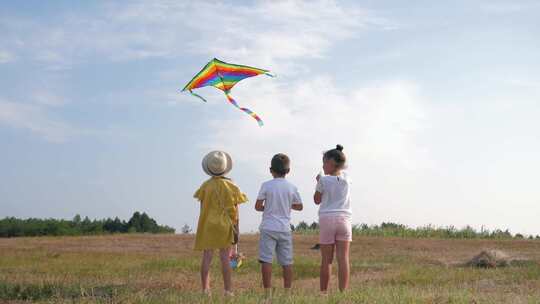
266,72
204,68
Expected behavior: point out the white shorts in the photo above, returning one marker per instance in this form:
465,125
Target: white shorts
279,242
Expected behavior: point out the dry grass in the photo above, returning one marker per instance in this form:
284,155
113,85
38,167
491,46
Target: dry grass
164,269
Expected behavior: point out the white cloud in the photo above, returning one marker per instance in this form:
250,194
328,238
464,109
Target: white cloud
264,33
376,122
524,82
379,125
34,118
274,31
48,98
508,6
6,57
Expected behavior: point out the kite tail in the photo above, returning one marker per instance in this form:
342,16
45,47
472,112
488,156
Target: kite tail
197,95
246,110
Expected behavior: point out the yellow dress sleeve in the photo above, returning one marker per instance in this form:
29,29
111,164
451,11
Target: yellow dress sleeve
201,192
237,196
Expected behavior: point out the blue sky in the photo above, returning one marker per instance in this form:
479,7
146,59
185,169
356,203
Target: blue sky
437,105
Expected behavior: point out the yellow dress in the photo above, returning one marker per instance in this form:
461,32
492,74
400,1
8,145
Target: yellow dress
219,198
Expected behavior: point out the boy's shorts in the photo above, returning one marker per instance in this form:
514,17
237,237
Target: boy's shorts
278,241
334,228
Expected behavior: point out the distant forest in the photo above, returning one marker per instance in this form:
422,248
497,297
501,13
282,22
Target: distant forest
138,223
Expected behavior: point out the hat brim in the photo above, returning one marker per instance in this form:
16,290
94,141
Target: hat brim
209,172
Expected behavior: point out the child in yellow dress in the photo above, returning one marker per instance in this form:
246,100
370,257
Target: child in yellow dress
219,198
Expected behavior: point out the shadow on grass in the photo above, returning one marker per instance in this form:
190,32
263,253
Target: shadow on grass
36,292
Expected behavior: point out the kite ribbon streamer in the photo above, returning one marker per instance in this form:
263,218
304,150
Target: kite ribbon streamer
246,110
197,95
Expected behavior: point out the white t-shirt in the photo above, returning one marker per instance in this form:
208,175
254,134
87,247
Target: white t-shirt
279,195
335,192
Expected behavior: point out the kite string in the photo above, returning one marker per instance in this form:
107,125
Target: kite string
246,110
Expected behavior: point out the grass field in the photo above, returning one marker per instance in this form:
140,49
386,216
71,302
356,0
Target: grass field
163,269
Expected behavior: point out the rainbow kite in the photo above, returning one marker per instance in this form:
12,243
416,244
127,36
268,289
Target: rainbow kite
224,76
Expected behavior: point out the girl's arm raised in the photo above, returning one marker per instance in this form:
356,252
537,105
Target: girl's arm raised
317,197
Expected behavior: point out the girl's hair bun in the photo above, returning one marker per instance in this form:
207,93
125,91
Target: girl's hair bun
337,155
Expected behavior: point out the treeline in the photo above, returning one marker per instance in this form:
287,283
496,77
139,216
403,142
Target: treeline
138,223
399,230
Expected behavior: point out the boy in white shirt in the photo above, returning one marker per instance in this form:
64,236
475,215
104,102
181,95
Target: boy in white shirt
276,199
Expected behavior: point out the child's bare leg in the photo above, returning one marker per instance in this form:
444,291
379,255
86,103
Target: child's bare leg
205,269
342,255
226,268
287,276
266,269
327,256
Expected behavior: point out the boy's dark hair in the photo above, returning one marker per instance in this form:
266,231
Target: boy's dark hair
337,155
280,164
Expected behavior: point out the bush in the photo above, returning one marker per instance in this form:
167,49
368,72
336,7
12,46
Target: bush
389,229
186,229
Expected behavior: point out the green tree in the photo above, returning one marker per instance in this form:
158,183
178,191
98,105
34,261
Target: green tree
147,224
135,222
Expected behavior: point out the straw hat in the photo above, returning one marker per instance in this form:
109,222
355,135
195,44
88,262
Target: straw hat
217,163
